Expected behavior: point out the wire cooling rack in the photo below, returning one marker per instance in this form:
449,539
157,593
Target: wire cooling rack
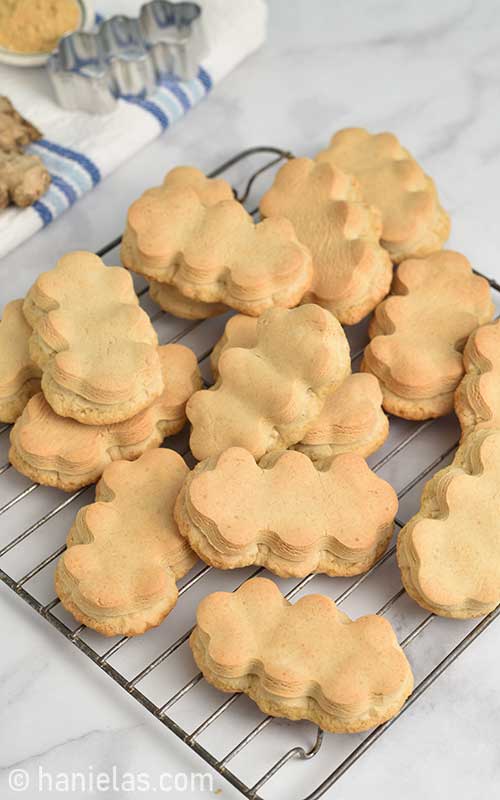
225,730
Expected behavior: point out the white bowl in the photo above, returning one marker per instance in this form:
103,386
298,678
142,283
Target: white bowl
38,59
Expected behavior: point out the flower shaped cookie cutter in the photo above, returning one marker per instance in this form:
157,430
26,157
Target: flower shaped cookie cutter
127,56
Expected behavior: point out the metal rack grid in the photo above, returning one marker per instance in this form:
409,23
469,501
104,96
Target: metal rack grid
161,711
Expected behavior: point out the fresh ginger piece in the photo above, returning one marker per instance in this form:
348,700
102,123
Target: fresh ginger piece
23,179
15,131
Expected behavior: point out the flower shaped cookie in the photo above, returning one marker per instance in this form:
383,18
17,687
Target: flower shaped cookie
60,452
414,224
351,271
352,420
301,661
419,332
213,253
285,514
267,397
449,553
95,346
125,554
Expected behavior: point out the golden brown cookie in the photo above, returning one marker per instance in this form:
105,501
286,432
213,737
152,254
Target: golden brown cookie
19,376
301,661
285,514
352,273
268,396
210,191
414,223
60,452
449,553
352,420
95,346
214,253
477,398
419,332
125,553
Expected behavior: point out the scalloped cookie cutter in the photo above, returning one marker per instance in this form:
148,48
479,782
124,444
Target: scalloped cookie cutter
127,56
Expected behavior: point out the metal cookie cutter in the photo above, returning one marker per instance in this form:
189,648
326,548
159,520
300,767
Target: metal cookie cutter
127,56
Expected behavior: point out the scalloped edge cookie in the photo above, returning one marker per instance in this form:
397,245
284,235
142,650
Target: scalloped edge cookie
418,333
303,661
125,553
352,273
60,452
96,347
414,223
286,514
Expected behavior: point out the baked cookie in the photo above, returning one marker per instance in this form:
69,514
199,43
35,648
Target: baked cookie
449,553
414,223
352,420
352,273
95,346
285,514
170,299
214,253
125,553
302,661
60,452
19,376
209,191
419,332
477,398
267,397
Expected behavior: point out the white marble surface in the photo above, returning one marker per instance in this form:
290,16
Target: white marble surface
431,72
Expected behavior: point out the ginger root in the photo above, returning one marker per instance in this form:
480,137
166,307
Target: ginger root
23,179
15,131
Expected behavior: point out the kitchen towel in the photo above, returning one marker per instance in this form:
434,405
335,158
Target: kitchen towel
80,149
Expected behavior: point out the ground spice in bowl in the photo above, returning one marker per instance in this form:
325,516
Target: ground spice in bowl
35,26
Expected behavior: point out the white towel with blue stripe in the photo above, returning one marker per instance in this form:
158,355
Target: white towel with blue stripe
79,154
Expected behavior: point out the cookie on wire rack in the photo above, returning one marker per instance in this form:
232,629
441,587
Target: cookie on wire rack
286,514
352,273
302,661
213,253
125,553
352,419
419,332
414,224
267,397
449,552
60,452
96,347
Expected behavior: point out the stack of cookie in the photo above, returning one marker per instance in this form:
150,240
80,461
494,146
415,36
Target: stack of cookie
449,552
82,373
202,252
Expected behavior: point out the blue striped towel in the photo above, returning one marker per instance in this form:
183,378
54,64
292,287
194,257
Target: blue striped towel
79,153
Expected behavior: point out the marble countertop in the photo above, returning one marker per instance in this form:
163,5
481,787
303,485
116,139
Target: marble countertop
431,73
